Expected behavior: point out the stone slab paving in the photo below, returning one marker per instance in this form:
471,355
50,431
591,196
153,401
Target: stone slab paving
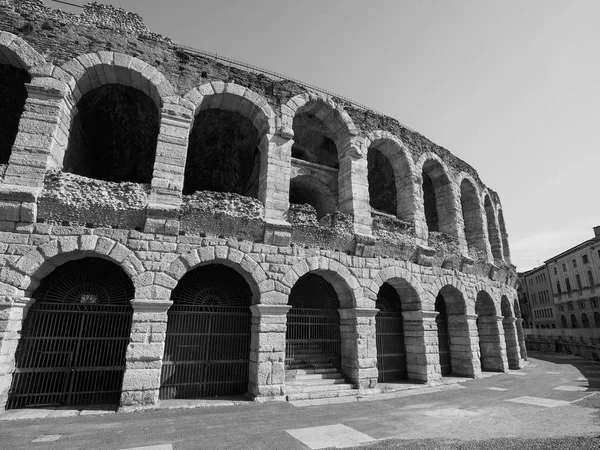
497,389
538,401
571,388
328,436
153,447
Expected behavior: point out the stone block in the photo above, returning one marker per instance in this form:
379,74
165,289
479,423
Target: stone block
137,352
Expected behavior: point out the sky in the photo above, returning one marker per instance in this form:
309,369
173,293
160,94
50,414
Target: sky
511,87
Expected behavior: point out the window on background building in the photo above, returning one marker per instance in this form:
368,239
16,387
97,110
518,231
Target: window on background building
553,325
570,306
590,276
594,303
564,266
578,280
537,326
558,289
563,321
582,305
574,262
555,271
568,284
585,259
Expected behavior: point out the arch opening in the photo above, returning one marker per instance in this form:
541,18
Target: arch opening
596,319
308,191
313,141
489,333
563,321
313,339
12,104
114,135
223,154
207,345
389,330
510,334
573,321
503,235
437,192
471,211
382,182
74,339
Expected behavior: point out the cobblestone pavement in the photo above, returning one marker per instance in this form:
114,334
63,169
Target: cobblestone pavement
551,403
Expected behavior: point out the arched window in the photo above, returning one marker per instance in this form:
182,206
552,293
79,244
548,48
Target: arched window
13,95
563,321
597,319
437,195
585,321
382,182
573,321
312,141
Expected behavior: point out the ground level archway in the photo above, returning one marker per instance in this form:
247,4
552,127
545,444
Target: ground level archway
389,330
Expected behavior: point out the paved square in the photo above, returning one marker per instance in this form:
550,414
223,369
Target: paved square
47,438
538,401
571,388
449,413
336,436
521,374
497,389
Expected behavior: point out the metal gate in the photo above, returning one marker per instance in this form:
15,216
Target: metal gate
391,353
313,338
207,345
74,339
443,336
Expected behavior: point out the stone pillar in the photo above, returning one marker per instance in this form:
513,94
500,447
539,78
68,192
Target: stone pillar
422,346
267,352
359,346
464,345
512,342
143,361
491,343
169,169
274,189
521,339
39,145
12,313
353,187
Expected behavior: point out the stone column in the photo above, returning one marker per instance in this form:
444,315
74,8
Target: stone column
464,345
274,189
359,346
521,339
422,346
512,342
143,361
267,352
12,313
39,145
491,343
353,189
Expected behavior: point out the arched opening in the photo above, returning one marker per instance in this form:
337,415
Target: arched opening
12,103
207,345
563,321
437,194
504,235
313,340
389,330
493,234
585,321
596,319
441,322
471,210
489,336
113,135
313,141
573,321
382,182
307,190
510,334
74,339
223,154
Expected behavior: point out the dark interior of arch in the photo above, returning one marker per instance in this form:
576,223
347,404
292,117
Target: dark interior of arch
303,192
212,285
114,135
223,154
454,302
505,307
90,281
382,182
12,102
314,292
430,203
484,305
388,299
312,142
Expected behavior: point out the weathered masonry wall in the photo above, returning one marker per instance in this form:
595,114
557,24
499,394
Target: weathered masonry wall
237,169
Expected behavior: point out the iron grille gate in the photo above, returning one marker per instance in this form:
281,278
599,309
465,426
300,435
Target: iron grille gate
74,340
391,354
441,322
312,339
207,346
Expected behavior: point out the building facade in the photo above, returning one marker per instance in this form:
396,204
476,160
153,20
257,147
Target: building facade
536,291
176,226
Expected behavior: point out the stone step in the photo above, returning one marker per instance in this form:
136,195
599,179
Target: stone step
315,371
315,366
314,395
316,382
313,376
332,388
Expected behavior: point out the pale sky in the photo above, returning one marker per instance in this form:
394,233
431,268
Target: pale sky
512,87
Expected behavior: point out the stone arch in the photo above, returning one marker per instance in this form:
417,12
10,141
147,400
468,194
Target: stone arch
491,341
345,284
472,213
250,270
17,52
403,168
407,286
455,292
437,195
311,190
27,272
505,307
93,70
503,235
492,226
335,119
484,304
234,98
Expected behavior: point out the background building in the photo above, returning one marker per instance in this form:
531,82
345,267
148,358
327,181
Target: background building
536,291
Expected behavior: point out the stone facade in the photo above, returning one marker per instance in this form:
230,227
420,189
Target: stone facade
447,239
